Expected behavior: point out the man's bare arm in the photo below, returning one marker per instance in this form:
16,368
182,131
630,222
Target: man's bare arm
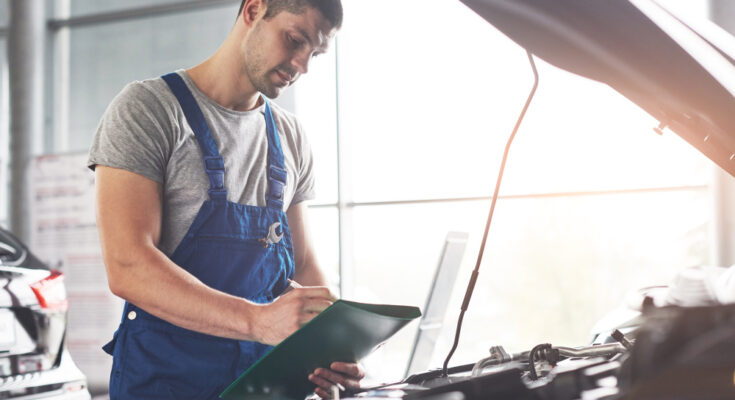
129,221
308,272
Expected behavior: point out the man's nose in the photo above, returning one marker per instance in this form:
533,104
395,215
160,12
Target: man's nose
301,62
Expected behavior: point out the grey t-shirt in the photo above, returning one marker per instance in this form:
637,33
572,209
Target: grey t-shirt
144,131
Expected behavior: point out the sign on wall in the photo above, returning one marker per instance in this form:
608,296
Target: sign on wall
64,235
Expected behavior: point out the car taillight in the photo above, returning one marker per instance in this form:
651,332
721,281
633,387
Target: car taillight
75,386
51,292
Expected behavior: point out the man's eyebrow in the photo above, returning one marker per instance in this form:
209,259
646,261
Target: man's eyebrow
323,45
306,35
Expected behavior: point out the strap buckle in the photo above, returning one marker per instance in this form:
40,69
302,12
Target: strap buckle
214,166
277,182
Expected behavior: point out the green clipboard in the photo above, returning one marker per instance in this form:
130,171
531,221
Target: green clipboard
345,331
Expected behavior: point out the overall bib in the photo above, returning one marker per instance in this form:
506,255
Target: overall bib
242,250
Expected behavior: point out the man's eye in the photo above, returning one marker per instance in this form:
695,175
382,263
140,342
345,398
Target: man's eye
296,43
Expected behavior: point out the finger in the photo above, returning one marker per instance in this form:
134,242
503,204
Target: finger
316,305
322,393
316,291
330,376
321,382
337,378
350,369
349,383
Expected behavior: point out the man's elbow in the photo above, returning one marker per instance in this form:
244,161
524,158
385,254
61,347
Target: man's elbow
121,273
116,281
116,287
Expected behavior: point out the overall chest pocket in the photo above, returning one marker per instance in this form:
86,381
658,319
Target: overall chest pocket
241,267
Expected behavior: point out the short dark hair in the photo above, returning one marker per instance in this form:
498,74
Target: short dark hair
330,9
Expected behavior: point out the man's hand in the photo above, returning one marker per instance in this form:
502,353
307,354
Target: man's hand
276,321
348,375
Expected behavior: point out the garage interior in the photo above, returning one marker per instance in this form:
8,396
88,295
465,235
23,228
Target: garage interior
407,116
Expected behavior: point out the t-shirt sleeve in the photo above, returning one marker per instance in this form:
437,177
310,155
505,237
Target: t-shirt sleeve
305,186
134,134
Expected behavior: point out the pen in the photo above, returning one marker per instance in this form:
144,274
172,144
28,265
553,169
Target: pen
294,284
335,392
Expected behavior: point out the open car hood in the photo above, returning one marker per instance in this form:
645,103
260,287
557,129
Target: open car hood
682,73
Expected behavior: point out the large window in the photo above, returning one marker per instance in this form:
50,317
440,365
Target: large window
315,102
104,57
593,203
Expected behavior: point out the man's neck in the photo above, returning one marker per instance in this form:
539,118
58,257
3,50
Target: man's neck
222,80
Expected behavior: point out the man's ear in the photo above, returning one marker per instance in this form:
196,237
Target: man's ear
252,11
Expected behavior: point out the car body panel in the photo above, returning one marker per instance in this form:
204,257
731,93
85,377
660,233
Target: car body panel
681,75
65,382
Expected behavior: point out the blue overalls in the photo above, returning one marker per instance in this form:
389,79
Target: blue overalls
242,250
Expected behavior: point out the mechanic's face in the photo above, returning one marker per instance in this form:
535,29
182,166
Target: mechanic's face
279,49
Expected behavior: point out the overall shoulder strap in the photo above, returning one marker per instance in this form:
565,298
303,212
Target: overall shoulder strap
213,163
277,175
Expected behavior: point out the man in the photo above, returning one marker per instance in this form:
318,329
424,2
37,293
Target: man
193,172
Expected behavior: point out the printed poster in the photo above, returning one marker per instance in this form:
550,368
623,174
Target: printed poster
64,235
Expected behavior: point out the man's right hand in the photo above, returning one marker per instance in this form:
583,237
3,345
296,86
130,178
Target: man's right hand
276,321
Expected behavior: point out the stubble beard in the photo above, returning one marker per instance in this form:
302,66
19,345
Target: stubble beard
259,79
255,68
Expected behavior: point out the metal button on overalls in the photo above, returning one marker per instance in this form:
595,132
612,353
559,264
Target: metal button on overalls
224,248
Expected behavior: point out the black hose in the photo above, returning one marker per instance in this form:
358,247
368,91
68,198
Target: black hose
532,358
476,271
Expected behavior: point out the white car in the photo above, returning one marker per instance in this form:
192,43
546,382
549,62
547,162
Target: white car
34,362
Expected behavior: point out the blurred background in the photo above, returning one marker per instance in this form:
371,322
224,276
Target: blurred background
407,115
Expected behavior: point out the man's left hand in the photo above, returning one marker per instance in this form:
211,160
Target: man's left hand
348,375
